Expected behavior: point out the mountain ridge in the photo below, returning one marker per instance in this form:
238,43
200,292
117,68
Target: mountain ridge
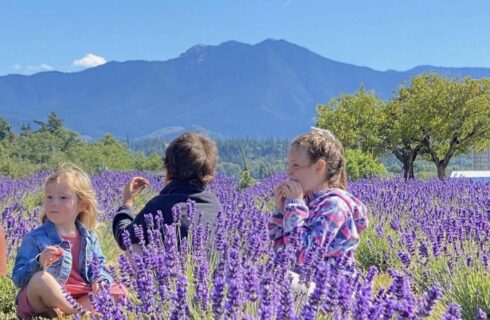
234,89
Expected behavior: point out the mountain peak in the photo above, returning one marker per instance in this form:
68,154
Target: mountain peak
269,42
197,49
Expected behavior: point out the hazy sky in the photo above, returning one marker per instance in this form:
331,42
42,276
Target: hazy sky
69,35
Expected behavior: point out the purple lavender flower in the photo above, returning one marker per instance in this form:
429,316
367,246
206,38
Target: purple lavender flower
319,295
428,301
251,283
176,214
379,230
395,224
363,297
423,250
217,297
405,258
453,312
102,301
200,281
234,279
267,293
481,315
285,308
180,309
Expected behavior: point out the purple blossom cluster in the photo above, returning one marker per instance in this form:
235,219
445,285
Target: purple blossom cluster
229,270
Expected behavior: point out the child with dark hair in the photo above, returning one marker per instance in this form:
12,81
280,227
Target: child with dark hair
190,164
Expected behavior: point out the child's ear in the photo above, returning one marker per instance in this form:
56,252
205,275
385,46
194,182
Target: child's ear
321,166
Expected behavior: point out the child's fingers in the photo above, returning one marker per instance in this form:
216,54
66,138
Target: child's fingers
50,254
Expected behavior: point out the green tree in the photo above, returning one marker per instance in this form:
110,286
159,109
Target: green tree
400,133
115,154
363,165
356,120
246,179
5,129
53,124
37,147
452,116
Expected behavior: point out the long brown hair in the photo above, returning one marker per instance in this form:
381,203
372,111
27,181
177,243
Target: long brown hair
322,144
79,182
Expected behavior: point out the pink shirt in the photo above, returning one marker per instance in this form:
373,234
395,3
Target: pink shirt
76,285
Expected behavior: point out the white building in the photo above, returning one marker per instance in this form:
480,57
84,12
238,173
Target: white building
473,175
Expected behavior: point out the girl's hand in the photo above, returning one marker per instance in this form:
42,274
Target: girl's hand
134,188
50,255
293,190
279,196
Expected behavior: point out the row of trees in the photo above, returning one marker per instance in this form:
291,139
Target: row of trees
50,144
435,117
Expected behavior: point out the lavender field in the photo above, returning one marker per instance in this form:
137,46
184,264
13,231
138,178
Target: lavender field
424,255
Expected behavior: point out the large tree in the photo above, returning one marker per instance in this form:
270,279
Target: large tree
355,119
400,133
451,116
53,125
362,121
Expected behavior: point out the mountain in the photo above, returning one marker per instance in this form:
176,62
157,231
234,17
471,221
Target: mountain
233,89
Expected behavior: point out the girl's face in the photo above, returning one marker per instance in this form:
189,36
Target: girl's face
61,204
302,170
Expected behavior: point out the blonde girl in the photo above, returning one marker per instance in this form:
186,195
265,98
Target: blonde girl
58,258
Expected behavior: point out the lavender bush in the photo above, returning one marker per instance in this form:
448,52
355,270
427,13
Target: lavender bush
425,255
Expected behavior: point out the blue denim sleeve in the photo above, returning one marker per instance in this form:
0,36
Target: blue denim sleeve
103,275
26,263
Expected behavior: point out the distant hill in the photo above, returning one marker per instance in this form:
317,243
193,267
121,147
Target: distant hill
233,89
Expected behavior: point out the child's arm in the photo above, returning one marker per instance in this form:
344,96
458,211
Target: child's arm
123,220
295,214
360,217
26,262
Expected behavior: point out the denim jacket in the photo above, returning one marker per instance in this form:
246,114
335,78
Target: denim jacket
27,264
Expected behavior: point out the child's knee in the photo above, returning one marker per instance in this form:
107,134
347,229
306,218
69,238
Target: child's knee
42,279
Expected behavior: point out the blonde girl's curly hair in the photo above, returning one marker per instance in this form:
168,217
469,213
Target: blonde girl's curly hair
79,182
322,144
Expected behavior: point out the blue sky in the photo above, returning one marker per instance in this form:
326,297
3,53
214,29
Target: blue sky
70,35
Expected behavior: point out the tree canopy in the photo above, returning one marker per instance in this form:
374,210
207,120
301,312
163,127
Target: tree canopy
434,116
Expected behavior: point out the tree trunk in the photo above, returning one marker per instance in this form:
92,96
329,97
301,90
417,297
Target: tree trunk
441,169
411,175
407,157
407,169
